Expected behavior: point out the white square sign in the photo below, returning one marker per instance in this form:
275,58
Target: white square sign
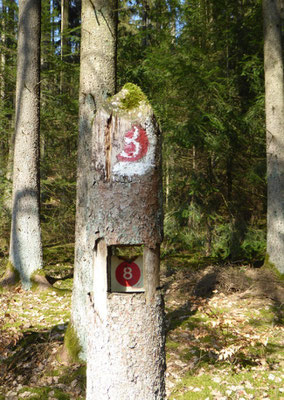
127,276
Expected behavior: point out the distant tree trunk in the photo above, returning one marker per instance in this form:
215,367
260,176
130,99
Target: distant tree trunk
2,56
64,39
97,82
7,93
167,185
274,110
146,22
64,25
25,244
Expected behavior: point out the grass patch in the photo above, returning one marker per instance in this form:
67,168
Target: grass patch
225,384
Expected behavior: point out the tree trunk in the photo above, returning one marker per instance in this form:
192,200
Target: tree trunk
274,110
146,22
2,56
97,82
7,95
64,26
25,244
126,352
126,356
64,38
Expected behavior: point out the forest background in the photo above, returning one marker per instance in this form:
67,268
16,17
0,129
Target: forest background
200,63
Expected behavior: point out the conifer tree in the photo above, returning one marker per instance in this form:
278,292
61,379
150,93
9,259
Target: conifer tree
97,83
274,111
25,244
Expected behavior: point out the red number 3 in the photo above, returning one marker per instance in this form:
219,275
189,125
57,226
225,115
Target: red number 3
135,144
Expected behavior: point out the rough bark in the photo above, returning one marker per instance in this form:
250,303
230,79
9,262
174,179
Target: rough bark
125,357
124,365
97,82
25,244
274,110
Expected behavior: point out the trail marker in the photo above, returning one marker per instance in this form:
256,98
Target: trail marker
126,346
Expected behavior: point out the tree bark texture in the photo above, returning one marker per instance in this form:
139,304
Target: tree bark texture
97,82
274,110
127,345
125,357
25,244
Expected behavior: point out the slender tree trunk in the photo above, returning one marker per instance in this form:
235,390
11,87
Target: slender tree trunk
25,244
146,22
64,39
64,26
97,82
8,99
167,185
274,110
52,20
2,56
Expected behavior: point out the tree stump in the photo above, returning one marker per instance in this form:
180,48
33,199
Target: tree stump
125,354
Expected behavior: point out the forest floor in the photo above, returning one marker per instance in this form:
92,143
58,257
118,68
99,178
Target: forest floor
225,335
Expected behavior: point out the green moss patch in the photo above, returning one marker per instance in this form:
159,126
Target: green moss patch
43,393
133,97
130,101
268,265
71,343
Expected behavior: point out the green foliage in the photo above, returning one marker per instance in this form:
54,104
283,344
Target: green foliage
221,247
59,121
201,66
254,244
205,82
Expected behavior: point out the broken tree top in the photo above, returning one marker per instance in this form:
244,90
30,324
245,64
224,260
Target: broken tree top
126,170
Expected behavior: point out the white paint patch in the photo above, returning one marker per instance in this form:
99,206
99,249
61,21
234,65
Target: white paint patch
100,280
142,166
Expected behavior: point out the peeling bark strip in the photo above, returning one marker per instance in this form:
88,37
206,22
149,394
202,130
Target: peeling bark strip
126,341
